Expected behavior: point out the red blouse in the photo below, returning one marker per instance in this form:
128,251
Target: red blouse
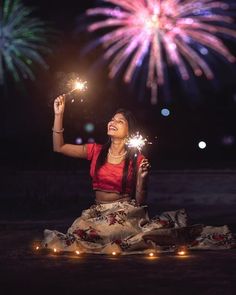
109,176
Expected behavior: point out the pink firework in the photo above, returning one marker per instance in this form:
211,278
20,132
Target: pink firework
143,28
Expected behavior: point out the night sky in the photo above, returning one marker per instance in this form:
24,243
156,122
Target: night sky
199,109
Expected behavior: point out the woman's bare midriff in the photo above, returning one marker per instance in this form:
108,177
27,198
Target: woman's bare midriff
107,197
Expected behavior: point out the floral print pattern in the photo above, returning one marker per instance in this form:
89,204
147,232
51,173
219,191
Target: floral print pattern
125,227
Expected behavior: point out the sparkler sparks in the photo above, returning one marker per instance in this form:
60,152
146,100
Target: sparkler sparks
137,141
179,32
80,85
76,85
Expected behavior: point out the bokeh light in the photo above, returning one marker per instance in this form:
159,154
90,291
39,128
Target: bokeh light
89,127
165,112
202,144
228,140
79,140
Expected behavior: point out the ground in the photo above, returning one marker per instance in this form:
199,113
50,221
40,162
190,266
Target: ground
32,201
27,271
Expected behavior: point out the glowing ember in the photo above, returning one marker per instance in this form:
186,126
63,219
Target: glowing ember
37,248
151,254
77,252
54,250
181,253
176,33
113,253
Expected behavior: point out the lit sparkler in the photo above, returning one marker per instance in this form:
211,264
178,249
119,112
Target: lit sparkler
137,141
181,30
76,85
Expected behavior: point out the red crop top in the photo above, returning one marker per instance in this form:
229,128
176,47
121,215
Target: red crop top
109,176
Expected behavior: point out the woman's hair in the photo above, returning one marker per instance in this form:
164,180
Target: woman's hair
131,156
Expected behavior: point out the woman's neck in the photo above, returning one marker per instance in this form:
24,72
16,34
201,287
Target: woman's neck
117,146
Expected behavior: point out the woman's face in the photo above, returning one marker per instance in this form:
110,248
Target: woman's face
118,127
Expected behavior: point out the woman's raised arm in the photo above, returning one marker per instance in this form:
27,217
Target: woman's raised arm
71,150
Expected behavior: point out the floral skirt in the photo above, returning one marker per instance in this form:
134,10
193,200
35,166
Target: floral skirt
124,227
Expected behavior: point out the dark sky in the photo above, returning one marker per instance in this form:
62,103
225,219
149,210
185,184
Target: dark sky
199,109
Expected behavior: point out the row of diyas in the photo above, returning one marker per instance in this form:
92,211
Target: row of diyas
152,253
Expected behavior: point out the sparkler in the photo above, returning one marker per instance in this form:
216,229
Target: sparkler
76,85
180,33
137,141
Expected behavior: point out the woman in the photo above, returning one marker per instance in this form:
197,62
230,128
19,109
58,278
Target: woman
118,221
119,178
112,156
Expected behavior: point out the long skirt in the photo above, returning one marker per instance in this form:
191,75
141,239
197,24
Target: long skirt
125,228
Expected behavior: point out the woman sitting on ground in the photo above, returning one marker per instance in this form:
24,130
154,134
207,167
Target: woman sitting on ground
118,221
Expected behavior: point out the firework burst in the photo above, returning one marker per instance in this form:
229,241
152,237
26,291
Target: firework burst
179,32
22,40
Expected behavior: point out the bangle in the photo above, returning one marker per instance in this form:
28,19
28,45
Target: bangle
57,131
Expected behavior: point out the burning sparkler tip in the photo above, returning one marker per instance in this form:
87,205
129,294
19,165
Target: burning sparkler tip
136,141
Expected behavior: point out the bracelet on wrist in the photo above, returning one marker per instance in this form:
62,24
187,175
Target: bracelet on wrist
57,131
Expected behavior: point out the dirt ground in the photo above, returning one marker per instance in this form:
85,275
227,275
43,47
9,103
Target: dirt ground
32,201
26,271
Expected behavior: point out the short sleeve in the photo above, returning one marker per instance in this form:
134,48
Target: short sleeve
93,150
90,150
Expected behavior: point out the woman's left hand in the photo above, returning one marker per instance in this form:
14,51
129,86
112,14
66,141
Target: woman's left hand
144,168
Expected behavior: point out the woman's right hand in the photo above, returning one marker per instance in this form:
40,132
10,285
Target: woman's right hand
59,105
